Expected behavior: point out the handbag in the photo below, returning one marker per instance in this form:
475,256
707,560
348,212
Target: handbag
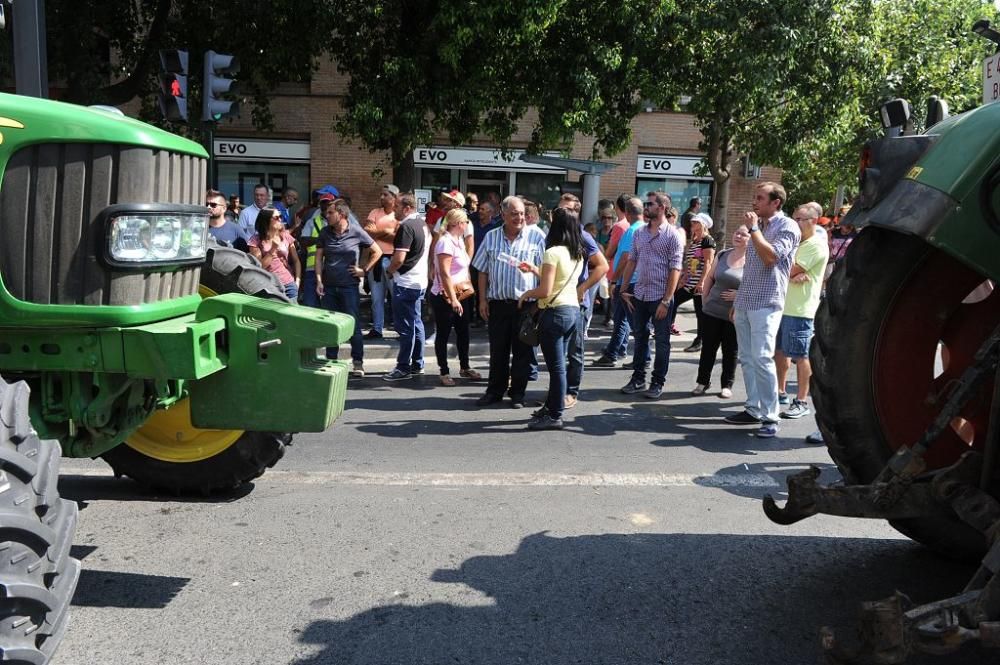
464,291
531,316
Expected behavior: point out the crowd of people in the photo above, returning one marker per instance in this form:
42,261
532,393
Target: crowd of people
511,266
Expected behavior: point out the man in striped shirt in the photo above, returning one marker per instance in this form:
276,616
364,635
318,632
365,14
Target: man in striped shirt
774,237
657,253
501,283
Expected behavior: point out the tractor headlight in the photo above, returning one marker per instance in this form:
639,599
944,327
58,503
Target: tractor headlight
144,235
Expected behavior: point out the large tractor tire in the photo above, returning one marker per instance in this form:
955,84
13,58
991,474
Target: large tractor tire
168,452
37,574
901,321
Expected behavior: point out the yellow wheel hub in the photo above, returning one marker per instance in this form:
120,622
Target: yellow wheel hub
169,436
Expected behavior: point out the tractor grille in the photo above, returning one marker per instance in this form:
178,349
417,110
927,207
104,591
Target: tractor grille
50,241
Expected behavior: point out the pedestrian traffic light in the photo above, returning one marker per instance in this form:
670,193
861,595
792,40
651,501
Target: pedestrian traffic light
173,84
217,67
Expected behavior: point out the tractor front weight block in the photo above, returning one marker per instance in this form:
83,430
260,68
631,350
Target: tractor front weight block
273,379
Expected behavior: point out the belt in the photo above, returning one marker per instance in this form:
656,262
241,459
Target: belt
509,302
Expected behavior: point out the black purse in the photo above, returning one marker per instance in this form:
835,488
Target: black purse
531,317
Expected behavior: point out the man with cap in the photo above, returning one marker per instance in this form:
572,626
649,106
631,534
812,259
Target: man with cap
698,257
381,225
248,218
311,228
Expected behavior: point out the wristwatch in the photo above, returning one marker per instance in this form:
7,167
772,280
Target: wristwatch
754,229
665,303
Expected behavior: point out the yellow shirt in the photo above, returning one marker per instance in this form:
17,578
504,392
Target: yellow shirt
567,270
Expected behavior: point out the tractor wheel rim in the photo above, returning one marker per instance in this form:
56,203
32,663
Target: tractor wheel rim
169,436
928,337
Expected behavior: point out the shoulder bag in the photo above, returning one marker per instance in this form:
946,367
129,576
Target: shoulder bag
527,330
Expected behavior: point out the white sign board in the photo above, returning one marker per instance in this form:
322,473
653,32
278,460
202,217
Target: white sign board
423,197
991,78
668,166
476,158
230,149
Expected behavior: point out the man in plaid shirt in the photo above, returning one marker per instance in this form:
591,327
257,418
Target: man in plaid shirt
774,237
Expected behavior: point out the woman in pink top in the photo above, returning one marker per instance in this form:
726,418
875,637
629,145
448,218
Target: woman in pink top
451,279
274,247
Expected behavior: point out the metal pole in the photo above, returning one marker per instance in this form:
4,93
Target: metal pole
31,69
591,188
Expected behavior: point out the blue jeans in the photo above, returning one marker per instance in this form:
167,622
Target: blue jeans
618,344
347,300
292,291
406,306
557,334
644,314
309,296
756,331
378,288
574,359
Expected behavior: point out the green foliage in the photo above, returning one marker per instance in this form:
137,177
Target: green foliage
475,69
912,50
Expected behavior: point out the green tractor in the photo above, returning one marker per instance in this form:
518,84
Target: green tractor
126,334
907,374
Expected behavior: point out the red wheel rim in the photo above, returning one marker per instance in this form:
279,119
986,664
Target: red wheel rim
928,310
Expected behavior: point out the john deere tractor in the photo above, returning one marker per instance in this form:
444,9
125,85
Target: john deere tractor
906,383
125,334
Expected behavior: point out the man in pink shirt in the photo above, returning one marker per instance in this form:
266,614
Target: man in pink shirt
381,225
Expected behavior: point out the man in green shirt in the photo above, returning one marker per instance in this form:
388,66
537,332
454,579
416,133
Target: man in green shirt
805,285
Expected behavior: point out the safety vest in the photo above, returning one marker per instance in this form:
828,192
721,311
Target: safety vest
311,229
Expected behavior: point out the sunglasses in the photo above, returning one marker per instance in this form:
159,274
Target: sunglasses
212,205
276,217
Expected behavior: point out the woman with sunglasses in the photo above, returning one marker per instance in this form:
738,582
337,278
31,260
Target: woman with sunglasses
274,247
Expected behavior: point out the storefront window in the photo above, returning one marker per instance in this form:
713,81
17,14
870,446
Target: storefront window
544,188
239,178
680,191
437,179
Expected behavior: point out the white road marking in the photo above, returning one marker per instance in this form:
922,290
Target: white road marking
502,479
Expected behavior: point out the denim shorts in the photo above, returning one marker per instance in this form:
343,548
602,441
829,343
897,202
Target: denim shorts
794,335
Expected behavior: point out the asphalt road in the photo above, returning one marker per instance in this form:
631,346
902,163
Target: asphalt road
421,529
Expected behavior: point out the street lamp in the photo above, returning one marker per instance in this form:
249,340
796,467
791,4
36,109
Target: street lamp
983,29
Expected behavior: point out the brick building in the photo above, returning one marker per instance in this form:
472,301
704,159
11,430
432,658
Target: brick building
304,152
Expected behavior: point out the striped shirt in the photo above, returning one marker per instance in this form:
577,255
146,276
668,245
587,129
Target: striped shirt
655,255
507,282
764,287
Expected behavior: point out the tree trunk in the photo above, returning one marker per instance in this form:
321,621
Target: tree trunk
403,172
720,208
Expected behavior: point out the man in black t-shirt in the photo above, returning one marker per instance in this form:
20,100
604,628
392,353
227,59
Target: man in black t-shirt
409,270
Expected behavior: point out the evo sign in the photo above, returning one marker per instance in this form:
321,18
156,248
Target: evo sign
668,166
230,149
476,158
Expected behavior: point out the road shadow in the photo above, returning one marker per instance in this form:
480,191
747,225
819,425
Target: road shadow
762,478
102,588
83,489
644,598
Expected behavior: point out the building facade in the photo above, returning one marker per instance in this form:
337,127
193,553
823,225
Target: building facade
304,152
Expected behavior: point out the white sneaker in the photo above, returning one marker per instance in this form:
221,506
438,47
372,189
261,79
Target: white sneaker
358,370
726,393
699,389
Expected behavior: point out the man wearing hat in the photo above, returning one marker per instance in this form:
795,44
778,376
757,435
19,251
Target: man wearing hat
381,225
698,257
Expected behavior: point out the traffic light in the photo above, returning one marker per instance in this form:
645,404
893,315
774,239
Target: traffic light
173,84
217,67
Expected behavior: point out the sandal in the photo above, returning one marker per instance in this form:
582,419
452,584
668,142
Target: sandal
446,380
471,374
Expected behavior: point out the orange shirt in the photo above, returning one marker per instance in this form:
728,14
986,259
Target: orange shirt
383,222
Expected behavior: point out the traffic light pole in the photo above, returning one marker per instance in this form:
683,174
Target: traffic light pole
31,65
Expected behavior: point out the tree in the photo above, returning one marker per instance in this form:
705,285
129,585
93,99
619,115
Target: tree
757,73
419,68
919,49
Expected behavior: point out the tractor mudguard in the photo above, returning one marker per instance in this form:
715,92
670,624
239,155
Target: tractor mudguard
273,380
950,196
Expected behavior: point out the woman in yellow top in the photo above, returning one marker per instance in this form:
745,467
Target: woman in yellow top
562,264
